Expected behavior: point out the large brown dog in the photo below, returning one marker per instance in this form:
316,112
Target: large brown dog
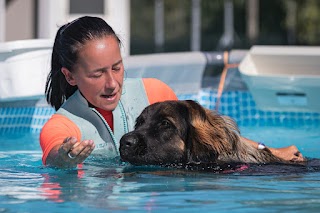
184,133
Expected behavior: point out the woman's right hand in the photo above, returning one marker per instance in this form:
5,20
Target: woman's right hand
70,153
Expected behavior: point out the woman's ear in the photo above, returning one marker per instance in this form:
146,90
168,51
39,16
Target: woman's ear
69,77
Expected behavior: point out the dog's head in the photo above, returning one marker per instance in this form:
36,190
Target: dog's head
176,132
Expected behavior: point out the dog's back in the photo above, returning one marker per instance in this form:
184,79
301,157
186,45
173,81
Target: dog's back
229,144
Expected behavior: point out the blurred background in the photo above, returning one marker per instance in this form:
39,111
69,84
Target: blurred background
149,26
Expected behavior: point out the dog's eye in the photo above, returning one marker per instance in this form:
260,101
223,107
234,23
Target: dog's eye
165,123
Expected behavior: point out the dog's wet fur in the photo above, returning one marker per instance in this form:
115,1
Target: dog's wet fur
184,134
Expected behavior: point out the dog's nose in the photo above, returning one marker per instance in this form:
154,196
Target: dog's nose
129,140
132,145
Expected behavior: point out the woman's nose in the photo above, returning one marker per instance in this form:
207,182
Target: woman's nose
110,80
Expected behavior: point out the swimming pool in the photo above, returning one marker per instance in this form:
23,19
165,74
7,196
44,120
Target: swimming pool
27,186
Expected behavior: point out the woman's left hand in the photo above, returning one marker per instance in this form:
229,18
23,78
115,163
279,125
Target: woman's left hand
290,153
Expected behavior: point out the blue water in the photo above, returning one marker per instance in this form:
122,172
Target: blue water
27,186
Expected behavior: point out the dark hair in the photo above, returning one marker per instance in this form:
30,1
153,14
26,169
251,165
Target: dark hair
68,41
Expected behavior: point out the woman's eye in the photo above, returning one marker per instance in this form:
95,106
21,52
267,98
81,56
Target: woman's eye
116,68
96,74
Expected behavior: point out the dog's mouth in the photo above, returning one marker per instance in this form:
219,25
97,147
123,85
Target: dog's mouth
130,154
132,148
137,149
139,155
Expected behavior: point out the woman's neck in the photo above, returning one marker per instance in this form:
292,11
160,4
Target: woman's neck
107,115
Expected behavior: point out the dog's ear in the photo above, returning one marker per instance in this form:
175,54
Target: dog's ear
209,134
198,144
197,151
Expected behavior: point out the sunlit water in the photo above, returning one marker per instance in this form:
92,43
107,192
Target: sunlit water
27,186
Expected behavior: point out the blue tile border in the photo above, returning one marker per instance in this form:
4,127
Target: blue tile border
24,119
241,106
237,104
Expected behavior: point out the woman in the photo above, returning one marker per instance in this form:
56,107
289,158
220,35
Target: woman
95,104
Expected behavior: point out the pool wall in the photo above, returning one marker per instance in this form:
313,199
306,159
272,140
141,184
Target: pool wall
237,104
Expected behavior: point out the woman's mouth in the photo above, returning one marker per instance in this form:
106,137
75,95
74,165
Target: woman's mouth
109,97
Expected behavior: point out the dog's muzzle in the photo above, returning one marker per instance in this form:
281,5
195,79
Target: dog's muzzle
131,145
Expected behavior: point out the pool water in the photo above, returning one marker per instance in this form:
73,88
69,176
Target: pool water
27,186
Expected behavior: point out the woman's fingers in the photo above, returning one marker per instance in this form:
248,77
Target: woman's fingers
75,152
290,153
86,151
79,151
66,146
298,157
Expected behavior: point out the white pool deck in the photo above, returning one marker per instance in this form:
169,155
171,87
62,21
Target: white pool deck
283,78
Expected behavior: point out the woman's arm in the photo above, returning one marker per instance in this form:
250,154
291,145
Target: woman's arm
60,143
290,153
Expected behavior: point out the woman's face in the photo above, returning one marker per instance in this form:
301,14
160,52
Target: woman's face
99,72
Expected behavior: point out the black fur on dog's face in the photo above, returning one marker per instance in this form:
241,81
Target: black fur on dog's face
165,134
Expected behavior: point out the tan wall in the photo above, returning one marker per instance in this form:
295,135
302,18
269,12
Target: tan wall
20,22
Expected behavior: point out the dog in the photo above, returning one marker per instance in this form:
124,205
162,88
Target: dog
184,133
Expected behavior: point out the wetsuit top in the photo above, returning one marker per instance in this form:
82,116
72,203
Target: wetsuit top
76,118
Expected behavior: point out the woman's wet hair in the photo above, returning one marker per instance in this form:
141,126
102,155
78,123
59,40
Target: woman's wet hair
69,39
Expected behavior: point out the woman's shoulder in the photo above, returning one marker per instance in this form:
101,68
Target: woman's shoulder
157,90
60,123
